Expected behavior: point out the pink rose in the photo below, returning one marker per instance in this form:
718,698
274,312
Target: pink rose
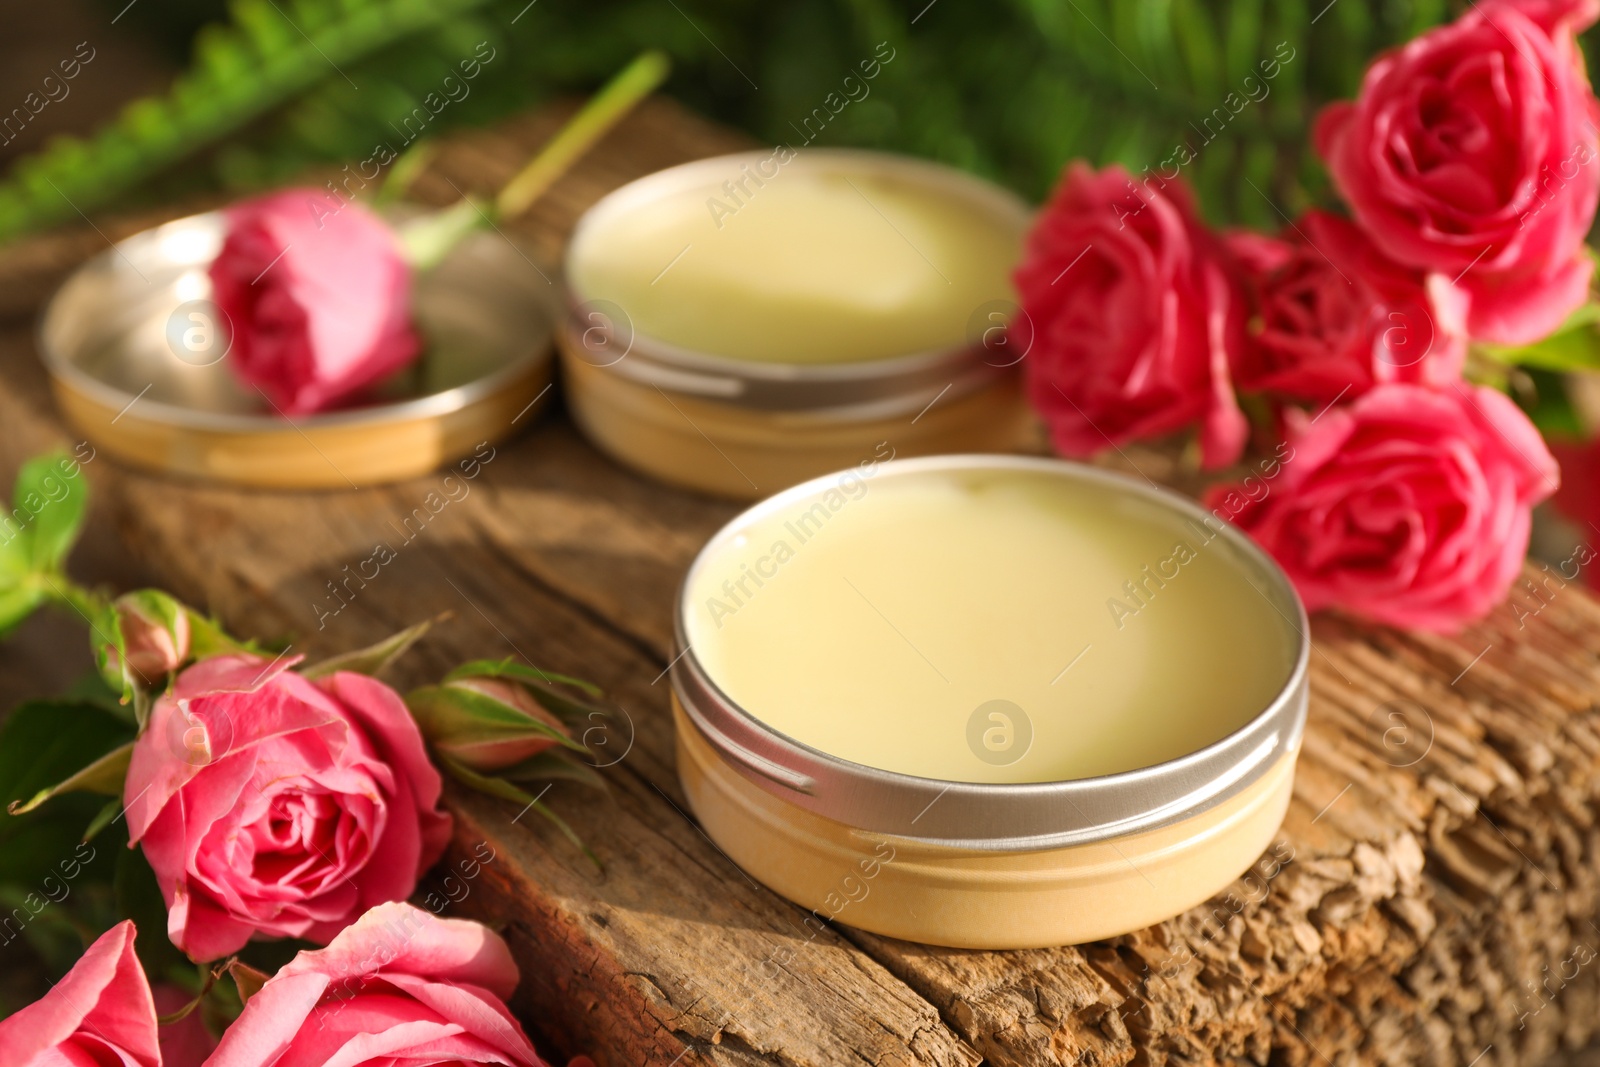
1471,155
1554,16
270,805
1134,317
400,986
1409,507
317,298
1334,317
100,1013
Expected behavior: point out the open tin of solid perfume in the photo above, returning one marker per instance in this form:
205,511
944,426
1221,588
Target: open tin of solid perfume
743,323
988,702
137,363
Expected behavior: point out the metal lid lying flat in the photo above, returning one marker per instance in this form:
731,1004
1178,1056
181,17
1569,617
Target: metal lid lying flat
111,340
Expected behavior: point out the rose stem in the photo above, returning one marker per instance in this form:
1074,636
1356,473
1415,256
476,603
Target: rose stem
603,111
427,239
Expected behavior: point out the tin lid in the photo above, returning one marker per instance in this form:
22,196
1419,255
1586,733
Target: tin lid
603,335
136,353
1001,816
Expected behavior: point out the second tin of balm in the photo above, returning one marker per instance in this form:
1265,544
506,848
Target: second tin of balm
988,701
743,323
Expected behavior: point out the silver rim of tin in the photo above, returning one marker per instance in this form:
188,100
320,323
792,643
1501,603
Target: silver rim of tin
1012,816
785,386
145,268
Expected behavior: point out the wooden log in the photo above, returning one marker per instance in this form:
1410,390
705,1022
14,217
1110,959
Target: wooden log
1432,897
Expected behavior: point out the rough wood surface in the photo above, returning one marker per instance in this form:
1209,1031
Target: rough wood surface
1432,898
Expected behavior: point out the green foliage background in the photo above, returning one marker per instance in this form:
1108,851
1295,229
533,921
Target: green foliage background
1007,88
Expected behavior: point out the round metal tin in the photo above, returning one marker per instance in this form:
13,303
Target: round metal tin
616,376
1010,817
107,339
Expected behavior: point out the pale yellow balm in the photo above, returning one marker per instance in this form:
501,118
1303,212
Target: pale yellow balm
989,701
776,260
988,626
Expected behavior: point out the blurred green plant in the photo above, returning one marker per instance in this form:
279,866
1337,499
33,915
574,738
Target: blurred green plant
1010,90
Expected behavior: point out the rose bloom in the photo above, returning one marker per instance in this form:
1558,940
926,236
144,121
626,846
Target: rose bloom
1334,316
269,805
1471,154
316,298
101,1013
1409,507
1555,17
400,986
1134,314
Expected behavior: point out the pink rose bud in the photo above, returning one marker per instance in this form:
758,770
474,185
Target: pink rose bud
1410,507
487,724
316,296
399,986
1471,154
270,805
101,1012
1135,312
155,632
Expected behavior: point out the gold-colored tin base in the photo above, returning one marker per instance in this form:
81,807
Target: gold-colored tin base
300,457
742,454
968,898
114,339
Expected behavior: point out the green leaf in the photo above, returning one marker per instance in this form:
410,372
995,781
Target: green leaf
1574,346
457,714
1543,395
507,668
498,787
547,688
207,638
241,72
374,659
553,765
104,818
46,743
53,493
105,776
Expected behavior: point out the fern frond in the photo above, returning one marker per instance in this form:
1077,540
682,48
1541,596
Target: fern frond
241,71
1011,89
